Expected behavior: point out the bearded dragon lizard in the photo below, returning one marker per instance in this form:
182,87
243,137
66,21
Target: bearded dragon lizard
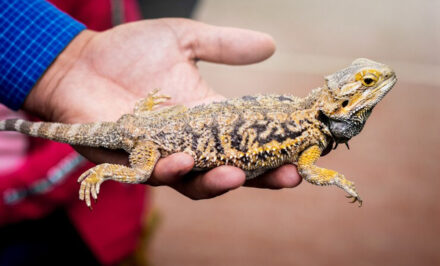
254,133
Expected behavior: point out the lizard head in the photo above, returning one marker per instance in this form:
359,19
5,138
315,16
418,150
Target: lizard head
352,93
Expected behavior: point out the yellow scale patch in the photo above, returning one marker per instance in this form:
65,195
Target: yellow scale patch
273,149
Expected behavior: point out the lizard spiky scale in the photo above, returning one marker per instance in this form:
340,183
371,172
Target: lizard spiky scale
255,133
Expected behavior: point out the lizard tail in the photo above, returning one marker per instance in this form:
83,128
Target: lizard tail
100,134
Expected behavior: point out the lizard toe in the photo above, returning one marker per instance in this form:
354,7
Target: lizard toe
88,202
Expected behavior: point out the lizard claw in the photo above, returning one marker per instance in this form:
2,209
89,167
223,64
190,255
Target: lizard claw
355,198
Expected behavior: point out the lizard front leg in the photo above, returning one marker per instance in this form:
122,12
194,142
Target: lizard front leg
143,158
321,176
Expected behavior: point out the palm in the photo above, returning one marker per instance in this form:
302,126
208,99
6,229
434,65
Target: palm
117,67
127,63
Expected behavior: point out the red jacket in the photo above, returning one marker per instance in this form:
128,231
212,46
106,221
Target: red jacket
46,177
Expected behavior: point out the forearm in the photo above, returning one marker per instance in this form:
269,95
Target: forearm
33,34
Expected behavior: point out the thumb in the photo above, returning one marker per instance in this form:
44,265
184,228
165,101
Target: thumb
225,45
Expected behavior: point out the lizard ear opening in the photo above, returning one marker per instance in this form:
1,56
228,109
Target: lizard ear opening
326,79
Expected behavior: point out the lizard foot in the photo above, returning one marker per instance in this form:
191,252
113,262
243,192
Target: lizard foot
349,187
90,181
152,99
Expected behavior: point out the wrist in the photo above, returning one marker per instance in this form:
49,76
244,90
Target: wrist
40,99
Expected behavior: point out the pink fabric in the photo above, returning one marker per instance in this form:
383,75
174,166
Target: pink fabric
13,146
112,229
96,14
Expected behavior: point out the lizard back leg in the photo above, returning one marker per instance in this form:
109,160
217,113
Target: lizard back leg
322,176
147,104
143,158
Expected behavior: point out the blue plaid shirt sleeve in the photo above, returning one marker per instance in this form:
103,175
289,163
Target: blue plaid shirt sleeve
32,34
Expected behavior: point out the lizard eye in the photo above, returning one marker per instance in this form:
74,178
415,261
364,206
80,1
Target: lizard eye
344,103
369,81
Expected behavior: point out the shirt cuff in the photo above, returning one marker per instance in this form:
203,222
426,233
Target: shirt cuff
32,34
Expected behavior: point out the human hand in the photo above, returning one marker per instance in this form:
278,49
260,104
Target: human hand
100,76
